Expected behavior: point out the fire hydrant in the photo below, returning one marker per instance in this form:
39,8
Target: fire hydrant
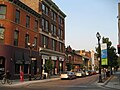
21,76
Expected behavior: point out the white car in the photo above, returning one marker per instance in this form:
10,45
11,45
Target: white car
80,74
67,75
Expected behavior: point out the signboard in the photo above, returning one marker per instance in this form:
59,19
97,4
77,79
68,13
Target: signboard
104,59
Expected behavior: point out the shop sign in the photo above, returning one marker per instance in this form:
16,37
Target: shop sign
53,57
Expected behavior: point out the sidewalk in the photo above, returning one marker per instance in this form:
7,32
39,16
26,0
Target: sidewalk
26,82
113,81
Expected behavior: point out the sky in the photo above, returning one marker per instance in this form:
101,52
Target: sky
87,17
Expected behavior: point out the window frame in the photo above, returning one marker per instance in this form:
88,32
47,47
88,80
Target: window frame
17,18
16,40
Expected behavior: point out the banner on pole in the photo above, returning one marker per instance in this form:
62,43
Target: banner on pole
104,59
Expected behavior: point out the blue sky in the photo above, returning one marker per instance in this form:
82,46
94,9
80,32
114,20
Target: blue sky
87,17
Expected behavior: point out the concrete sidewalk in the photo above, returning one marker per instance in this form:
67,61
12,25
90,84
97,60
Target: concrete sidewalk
113,81
26,82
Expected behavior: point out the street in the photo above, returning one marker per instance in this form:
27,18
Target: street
85,83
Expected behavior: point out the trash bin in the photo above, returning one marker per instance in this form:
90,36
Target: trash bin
108,73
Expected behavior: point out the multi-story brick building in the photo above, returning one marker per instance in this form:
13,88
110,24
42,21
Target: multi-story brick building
73,60
18,27
31,21
52,32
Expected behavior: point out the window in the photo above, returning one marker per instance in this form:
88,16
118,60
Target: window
55,30
52,28
2,11
53,16
35,42
43,23
26,40
2,30
27,21
59,32
26,66
45,9
17,68
17,16
53,45
46,26
60,47
16,35
44,41
36,26
60,21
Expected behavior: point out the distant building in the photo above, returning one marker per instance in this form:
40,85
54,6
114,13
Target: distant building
89,58
74,61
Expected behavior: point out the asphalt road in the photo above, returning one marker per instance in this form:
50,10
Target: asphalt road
86,83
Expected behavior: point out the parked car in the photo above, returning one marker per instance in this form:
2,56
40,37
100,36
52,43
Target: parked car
87,73
68,75
80,74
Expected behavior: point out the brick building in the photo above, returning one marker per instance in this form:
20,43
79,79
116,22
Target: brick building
74,61
41,25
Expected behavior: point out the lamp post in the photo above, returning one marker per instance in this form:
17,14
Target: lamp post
99,53
30,66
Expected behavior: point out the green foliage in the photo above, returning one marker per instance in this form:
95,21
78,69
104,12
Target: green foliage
112,55
48,66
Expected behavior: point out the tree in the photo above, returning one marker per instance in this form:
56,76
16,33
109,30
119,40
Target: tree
48,67
112,55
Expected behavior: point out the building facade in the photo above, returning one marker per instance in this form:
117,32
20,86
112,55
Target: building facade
18,27
52,33
31,35
74,61
118,46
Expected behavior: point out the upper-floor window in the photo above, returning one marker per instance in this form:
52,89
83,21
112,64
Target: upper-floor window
26,40
2,30
45,9
53,16
53,29
60,47
60,21
60,33
16,36
54,43
45,25
2,11
17,16
27,21
35,42
36,26
44,41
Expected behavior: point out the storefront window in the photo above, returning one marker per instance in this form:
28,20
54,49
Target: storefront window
17,68
2,35
2,11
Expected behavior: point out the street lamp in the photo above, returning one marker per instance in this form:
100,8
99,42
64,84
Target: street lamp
30,66
99,54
